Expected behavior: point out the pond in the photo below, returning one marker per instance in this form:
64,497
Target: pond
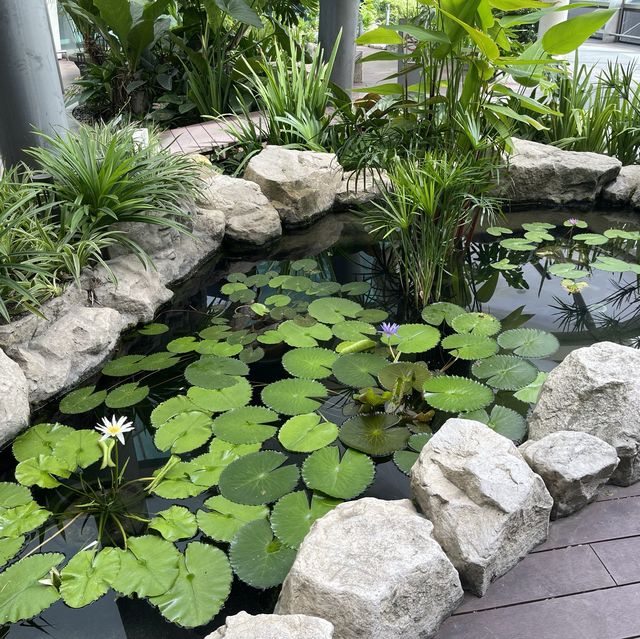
539,277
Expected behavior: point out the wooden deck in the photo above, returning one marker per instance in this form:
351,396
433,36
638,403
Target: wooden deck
582,583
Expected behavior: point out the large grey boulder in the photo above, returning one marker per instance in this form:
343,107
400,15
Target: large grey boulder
250,217
488,508
372,569
302,185
245,626
596,390
14,399
68,350
137,293
360,187
573,466
621,191
543,174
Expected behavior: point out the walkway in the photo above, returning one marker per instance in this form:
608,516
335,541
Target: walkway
582,583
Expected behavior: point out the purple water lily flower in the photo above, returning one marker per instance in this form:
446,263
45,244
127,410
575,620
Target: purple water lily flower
572,221
388,330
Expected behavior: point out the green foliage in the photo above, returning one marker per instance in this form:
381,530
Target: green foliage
175,523
88,576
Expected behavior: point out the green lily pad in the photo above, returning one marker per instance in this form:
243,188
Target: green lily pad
455,394
88,576
148,568
591,239
158,362
154,329
219,401
470,346
258,558
306,264
404,377
355,288
376,434
225,518
504,421
9,548
306,433
309,363
437,313
331,310
22,519
247,425
294,396
278,300
126,395
567,270
183,345
177,483
529,394
497,231
518,244
170,408
184,432
82,400
22,596
358,370
372,315
201,588
258,478
353,330
405,459
219,349
40,439
205,470
12,495
614,265
42,471
175,523
529,342
217,332
505,372
298,335
416,338
476,324
215,373
504,265
79,448
293,515
122,366
344,478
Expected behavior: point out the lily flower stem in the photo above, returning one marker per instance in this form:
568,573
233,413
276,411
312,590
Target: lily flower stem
56,534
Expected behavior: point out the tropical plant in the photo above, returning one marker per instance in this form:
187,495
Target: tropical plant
391,387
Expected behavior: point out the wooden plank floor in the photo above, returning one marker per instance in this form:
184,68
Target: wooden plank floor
582,583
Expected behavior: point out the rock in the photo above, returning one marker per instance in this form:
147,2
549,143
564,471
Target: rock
68,350
14,399
573,466
596,390
249,216
372,569
360,187
542,174
137,293
623,188
488,508
302,185
244,626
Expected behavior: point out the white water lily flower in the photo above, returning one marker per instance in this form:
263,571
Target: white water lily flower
114,428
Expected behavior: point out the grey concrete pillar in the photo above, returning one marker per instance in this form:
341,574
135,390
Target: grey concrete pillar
553,18
611,29
30,84
336,16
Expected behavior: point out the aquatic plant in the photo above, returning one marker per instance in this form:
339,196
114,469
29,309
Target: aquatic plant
265,460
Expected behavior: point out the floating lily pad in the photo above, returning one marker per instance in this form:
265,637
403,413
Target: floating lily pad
344,478
614,265
247,425
40,439
175,523
470,346
126,395
504,421
505,372
591,239
529,342
182,345
171,408
215,373
566,270
416,338
219,401
309,363
225,518
82,400
497,231
293,516
306,433
455,394
518,244
294,396
154,329
529,394
258,558
12,495
123,366
372,315
355,288
22,595
205,470
331,310
405,459
259,478
504,265
298,335
158,362
184,432
476,324
404,377
437,313
177,483
353,330
79,448
88,576
201,588
358,370
9,548
18,520
42,471
219,349
278,300
376,434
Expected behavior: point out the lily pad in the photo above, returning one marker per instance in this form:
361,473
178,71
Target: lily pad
215,373
505,372
455,394
306,433
154,329
258,558
22,519
404,377
529,394
614,265
437,313
42,471
518,244
123,366
40,439
126,395
529,342
476,324
344,478
294,396
416,338
309,363
372,315
184,432
497,231
376,434
79,448
82,400
183,345
12,495
567,270
591,239
331,310
225,518
158,362
504,421
201,588
358,370
353,330
170,408
470,346
9,548
175,523
259,478
299,335
293,515
88,576
247,425
219,401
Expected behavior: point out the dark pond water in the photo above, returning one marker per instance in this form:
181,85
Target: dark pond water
609,308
